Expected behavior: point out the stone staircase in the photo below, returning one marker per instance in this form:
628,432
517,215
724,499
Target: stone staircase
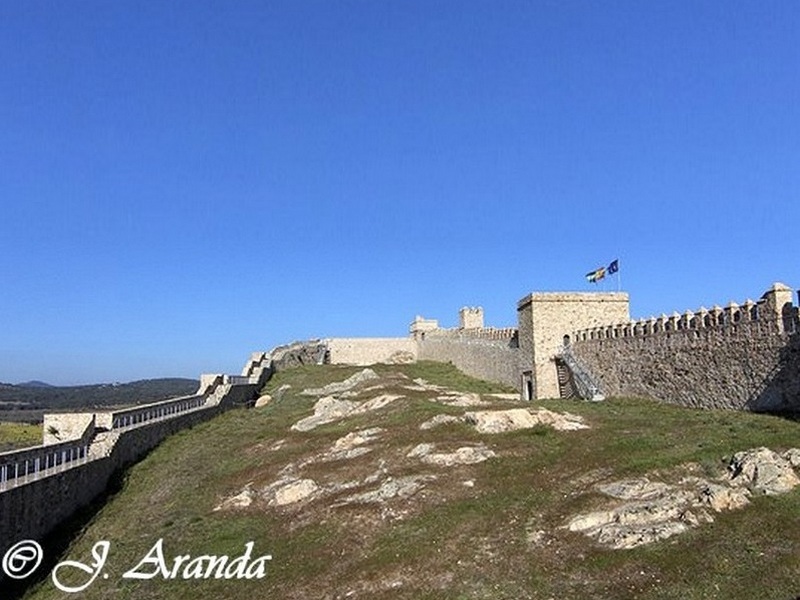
583,383
566,385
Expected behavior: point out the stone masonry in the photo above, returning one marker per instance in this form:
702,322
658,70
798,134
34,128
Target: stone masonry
547,321
741,356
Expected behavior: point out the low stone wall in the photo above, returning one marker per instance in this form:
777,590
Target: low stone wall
746,367
35,507
369,351
485,359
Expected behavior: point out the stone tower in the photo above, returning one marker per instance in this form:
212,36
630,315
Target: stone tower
470,318
547,321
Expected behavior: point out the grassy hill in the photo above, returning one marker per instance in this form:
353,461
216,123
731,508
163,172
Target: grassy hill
381,523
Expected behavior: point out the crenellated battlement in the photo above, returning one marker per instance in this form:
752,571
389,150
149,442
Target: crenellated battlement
772,313
741,356
500,334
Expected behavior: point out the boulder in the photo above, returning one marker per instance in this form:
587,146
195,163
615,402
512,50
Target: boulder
793,456
499,421
762,470
263,401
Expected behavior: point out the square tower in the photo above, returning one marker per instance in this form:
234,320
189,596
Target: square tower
547,320
470,318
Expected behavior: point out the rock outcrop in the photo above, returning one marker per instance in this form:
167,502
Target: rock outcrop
763,471
342,386
499,421
646,511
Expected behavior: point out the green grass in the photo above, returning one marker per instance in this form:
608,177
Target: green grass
19,435
451,541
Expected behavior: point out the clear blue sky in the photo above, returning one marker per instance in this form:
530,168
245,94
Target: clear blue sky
184,182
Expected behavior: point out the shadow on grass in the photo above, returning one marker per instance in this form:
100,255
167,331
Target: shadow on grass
58,541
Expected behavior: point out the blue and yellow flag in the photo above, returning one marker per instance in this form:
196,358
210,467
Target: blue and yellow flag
596,275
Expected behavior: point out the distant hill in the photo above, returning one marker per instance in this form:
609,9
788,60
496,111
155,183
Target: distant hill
35,384
38,396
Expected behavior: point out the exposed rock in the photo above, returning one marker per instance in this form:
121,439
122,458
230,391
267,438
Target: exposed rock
560,421
326,410
762,470
426,386
640,522
376,403
342,386
402,487
499,421
330,409
351,445
241,500
356,438
463,400
634,489
294,491
281,391
653,510
793,456
720,497
420,450
439,420
263,401
621,537
467,455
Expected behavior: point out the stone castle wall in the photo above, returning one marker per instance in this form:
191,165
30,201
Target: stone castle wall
741,356
748,367
744,357
368,351
483,352
491,360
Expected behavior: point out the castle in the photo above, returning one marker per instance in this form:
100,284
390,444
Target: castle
581,344
743,356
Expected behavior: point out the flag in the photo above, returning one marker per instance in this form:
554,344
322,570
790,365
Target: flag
613,267
596,275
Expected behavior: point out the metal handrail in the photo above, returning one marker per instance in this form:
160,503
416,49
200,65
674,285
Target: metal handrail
587,387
